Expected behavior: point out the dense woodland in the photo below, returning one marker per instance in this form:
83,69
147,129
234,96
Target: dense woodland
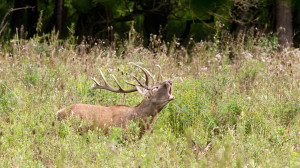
92,20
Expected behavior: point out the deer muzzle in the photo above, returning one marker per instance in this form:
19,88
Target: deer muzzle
171,97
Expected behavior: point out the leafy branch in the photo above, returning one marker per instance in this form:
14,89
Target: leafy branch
4,23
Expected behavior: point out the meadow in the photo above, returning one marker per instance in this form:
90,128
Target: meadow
242,95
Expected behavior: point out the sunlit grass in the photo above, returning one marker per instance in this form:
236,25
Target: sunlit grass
248,106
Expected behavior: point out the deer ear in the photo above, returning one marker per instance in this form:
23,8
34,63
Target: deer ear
142,90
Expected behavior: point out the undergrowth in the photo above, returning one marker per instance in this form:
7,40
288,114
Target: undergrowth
242,97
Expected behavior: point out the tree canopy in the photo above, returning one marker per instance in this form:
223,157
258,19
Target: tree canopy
183,19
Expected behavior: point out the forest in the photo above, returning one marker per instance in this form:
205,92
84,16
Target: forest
150,83
90,20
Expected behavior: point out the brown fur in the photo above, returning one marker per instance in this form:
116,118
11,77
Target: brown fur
118,116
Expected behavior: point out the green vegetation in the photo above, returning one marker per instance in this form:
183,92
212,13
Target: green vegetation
242,97
90,20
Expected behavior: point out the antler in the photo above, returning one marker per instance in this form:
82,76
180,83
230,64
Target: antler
147,74
138,86
110,88
159,76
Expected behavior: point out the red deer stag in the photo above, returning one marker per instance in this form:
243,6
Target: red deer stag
157,95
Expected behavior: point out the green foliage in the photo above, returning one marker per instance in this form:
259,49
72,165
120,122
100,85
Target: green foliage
248,108
203,14
8,100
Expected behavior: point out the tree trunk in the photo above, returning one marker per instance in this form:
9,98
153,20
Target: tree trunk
284,23
32,17
244,15
60,14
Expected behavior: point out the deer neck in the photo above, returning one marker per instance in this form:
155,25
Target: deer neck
146,109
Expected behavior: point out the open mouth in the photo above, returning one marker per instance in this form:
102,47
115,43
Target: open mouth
171,97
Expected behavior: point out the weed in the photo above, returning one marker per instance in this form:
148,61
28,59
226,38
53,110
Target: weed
246,105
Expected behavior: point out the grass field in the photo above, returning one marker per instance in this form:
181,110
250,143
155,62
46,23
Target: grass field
244,97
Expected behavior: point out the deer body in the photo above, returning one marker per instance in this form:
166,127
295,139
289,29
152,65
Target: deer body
99,115
157,96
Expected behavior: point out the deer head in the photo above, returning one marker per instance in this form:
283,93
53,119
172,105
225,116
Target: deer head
159,93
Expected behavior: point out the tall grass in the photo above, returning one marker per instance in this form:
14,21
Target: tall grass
241,95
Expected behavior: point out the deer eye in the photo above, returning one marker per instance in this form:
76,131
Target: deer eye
155,89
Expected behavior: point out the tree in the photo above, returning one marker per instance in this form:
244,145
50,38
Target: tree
244,15
284,23
60,14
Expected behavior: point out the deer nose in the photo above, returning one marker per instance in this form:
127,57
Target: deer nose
170,82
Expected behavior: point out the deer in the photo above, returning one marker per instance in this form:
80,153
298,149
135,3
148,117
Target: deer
156,96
